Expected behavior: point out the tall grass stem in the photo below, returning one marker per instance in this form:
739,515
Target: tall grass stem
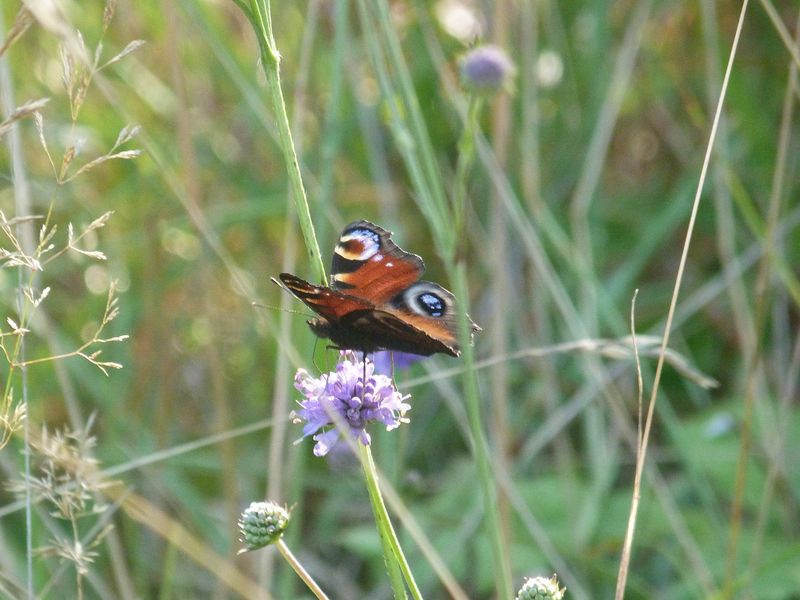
270,62
22,208
682,264
392,552
457,269
625,560
406,120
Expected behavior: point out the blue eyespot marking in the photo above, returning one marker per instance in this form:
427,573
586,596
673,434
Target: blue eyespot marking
431,304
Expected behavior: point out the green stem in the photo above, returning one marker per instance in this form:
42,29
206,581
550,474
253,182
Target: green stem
261,19
301,572
480,449
457,269
466,159
405,117
392,552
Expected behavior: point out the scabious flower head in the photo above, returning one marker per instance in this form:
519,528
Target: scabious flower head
261,523
541,588
343,396
486,69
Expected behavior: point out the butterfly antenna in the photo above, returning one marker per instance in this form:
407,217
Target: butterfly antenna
281,285
281,309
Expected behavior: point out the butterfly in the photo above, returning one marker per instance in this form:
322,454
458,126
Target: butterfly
376,300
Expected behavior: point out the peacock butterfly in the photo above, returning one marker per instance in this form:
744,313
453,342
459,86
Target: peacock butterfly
376,300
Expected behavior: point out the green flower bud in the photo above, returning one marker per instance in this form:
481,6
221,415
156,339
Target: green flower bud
261,524
541,588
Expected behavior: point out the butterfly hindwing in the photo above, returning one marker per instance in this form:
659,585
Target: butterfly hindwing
390,330
431,309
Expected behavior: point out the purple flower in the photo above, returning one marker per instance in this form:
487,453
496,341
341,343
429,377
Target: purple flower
342,396
486,69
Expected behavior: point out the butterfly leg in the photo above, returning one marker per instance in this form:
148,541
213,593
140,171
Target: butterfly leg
364,376
327,363
314,356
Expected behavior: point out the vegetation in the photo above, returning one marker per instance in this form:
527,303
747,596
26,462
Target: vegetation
148,196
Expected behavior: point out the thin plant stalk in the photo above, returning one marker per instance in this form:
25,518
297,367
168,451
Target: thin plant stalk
426,176
625,560
393,553
393,556
22,207
405,118
424,145
260,16
679,276
457,269
429,186
771,227
300,570
466,160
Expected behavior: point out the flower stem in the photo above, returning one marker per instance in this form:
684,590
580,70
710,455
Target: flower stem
260,16
480,447
466,158
392,553
298,568
457,270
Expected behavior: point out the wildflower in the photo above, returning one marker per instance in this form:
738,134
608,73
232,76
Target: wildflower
342,396
541,588
261,523
486,69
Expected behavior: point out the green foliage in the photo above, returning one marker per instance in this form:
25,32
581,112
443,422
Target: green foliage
571,206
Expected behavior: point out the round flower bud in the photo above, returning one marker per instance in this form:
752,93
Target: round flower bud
261,523
486,69
540,588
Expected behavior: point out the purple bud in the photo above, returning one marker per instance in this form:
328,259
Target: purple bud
486,69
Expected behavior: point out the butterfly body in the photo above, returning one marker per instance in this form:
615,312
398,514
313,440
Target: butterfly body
376,300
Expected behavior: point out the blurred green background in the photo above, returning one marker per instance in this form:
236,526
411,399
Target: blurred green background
581,194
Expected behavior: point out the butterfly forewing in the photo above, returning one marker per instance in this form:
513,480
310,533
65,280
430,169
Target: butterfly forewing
327,303
368,264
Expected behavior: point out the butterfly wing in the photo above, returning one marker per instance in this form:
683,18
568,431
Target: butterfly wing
420,320
352,322
368,264
393,331
376,300
327,303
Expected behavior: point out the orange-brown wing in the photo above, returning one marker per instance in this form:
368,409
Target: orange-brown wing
327,303
421,320
368,264
400,332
